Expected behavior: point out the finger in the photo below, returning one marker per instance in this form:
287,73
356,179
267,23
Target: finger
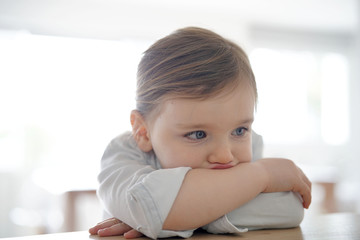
305,191
117,229
109,221
306,195
308,191
104,224
308,182
305,178
309,199
132,234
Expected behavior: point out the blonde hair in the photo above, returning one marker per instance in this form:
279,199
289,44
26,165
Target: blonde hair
191,63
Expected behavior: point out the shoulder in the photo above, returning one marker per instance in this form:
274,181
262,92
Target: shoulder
124,148
257,146
122,142
256,138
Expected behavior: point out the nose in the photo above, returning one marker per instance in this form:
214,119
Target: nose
221,154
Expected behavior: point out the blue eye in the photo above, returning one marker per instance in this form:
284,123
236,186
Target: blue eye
196,135
239,131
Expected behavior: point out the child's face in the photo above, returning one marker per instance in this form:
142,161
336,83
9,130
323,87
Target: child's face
212,133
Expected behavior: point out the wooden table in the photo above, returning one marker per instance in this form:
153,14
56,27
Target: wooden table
339,226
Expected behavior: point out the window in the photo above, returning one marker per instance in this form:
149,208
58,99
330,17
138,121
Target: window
303,95
63,99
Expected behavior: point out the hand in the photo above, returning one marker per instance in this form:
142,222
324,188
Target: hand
113,227
283,175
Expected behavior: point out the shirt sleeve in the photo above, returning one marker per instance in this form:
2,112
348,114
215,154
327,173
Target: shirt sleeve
267,210
135,192
257,146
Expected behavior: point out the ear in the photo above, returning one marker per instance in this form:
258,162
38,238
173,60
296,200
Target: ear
140,131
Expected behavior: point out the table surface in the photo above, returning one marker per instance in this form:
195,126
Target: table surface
331,226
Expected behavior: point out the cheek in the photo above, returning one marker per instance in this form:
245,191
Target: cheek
177,156
169,156
244,153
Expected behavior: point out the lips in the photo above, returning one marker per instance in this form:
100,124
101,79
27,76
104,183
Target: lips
221,166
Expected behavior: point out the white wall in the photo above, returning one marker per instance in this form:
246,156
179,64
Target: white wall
113,19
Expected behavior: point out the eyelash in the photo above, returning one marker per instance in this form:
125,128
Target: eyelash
204,135
243,129
195,132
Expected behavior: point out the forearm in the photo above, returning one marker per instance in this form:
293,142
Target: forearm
206,195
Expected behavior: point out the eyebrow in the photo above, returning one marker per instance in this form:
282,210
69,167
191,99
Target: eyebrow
201,125
247,121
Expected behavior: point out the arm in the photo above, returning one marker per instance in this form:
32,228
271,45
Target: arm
206,195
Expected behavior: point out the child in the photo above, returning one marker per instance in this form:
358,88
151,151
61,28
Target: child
189,161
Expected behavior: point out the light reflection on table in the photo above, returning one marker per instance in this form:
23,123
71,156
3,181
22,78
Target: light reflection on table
324,227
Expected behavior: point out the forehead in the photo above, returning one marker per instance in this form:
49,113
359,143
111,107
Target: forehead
227,107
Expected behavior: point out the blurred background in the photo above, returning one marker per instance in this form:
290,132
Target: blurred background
67,85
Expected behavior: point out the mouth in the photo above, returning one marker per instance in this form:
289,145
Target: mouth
221,166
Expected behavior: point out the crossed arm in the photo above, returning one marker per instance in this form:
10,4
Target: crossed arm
206,195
